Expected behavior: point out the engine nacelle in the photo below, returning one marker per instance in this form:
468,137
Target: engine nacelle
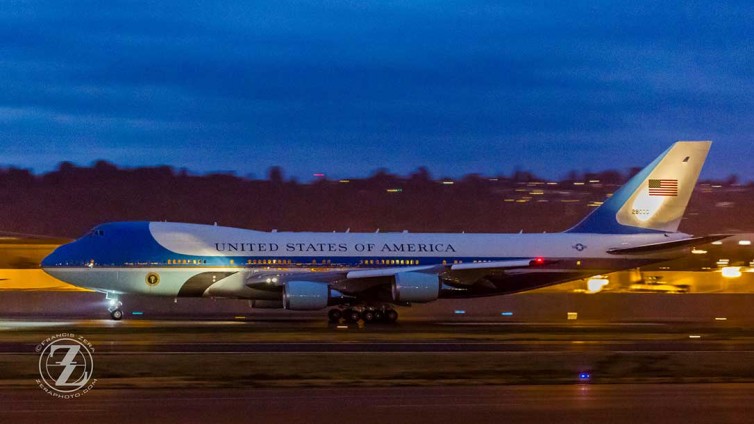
416,287
266,304
306,295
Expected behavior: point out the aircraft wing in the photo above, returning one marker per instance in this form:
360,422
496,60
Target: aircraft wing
509,264
361,273
356,280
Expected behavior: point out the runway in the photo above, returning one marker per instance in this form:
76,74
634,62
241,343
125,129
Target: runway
315,336
617,404
280,371
277,353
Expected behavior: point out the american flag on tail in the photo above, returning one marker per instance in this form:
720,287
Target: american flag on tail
664,187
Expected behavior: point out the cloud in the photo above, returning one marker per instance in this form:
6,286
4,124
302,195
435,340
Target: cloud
545,85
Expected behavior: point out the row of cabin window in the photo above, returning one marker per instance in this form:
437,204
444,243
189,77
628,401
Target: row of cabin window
400,262
390,262
186,261
289,262
269,262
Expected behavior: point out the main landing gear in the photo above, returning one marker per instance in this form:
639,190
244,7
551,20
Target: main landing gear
368,314
113,306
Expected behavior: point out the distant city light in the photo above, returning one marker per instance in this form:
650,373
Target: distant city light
698,251
744,242
731,271
319,175
717,243
344,181
394,190
448,182
597,283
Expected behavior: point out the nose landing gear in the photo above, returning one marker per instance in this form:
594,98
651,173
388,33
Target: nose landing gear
113,307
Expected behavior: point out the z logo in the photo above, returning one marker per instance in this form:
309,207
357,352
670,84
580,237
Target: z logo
65,365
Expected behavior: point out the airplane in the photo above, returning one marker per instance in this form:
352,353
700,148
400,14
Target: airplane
363,276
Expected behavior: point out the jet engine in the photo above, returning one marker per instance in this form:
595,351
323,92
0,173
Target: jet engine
307,295
416,287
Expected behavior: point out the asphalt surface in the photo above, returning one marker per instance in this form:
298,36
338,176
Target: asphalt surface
150,336
725,402
646,403
416,347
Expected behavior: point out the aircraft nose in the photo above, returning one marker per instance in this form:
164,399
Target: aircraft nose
49,260
56,258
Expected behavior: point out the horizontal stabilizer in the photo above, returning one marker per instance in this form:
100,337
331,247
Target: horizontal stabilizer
676,244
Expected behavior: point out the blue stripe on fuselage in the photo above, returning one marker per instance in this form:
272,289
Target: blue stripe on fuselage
116,244
124,244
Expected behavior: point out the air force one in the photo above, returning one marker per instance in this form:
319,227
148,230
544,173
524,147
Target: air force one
361,276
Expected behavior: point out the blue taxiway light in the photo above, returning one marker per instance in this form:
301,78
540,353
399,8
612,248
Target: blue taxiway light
459,312
584,376
506,314
137,313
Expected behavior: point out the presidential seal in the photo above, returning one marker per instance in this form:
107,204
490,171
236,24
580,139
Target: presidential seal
152,279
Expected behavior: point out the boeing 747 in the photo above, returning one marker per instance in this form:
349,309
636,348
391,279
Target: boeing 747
362,276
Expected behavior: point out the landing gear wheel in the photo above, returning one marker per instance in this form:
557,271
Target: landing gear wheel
379,316
351,315
391,315
116,314
334,315
368,316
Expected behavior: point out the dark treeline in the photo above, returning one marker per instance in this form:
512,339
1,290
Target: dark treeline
70,200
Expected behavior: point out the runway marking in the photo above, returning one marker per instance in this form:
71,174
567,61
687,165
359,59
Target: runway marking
458,352
47,411
558,324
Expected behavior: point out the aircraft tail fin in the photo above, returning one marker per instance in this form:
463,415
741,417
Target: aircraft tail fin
655,199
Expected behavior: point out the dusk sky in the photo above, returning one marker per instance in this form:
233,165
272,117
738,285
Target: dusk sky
346,87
